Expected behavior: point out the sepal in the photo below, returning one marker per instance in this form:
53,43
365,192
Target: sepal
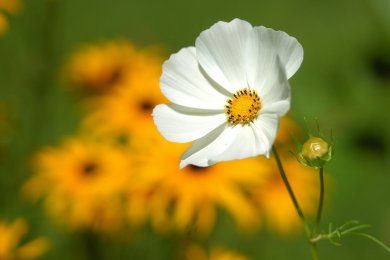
303,163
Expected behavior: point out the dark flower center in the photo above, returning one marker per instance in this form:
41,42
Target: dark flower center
90,169
146,106
114,77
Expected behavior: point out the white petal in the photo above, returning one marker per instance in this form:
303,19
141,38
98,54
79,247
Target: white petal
280,108
184,82
267,127
263,42
247,142
276,86
229,142
272,85
289,50
198,152
260,59
266,71
183,124
221,53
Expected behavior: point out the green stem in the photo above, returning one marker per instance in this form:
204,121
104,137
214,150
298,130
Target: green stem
290,191
306,228
334,233
317,225
313,251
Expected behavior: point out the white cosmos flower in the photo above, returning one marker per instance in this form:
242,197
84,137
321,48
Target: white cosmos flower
228,92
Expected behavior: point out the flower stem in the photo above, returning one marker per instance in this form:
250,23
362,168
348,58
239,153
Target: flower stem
317,225
306,228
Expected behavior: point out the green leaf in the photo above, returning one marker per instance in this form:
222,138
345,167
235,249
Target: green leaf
334,243
354,228
348,223
372,238
338,232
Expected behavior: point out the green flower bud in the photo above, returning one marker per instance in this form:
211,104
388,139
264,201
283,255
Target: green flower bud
316,151
315,147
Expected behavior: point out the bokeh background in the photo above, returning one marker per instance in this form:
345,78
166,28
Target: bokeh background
344,81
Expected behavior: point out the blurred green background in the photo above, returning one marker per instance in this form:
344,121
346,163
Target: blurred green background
344,81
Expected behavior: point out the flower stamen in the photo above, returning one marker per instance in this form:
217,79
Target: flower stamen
243,107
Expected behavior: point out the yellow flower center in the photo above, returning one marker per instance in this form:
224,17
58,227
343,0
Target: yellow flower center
243,107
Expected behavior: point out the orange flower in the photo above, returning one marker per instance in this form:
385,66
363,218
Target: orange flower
84,181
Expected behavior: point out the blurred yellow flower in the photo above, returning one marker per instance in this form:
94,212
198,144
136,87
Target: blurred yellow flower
11,234
9,6
186,199
110,65
83,181
126,112
275,204
195,252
